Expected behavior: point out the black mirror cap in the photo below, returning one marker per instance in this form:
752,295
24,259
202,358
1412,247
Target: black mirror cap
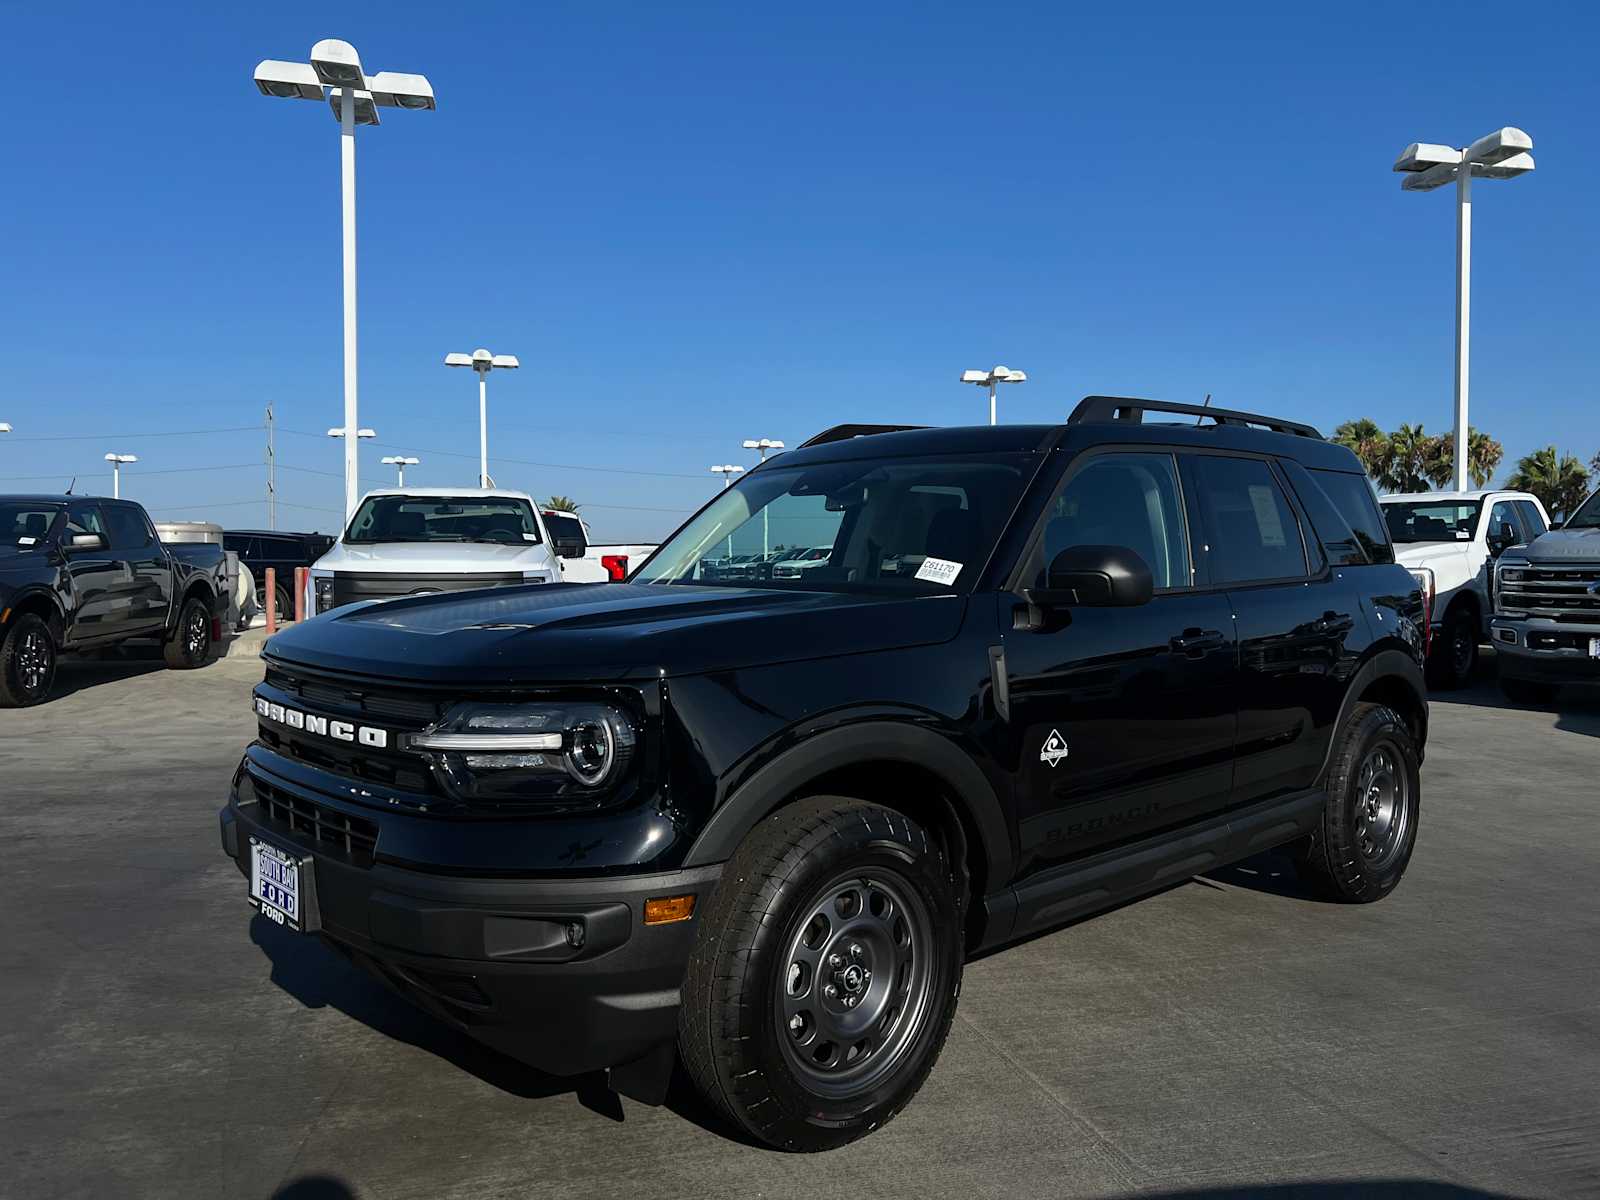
1095,577
569,547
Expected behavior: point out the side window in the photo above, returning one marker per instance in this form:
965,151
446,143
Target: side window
1533,523
1352,495
1251,532
1118,499
129,530
83,518
1339,542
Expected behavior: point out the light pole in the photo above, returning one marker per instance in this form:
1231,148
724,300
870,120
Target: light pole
116,461
1502,154
334,73
991,377
763,445
483,362
400,463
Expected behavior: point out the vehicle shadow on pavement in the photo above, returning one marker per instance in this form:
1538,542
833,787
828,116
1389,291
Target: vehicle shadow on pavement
315,1187
1272,872
1337,1189
74,674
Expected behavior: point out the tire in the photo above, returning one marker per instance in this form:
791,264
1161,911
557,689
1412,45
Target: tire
1368,828
1456,657
1527,691
27,662
285,604
821,895
190,644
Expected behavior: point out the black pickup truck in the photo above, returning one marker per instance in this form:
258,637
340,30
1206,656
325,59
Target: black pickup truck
78,573
760,824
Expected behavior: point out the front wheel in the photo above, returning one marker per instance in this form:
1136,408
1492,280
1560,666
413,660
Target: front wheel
190,644
27,662
825,973
1363,842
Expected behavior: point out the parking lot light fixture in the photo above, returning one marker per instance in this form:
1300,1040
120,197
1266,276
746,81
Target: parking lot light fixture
334,74
116,461
763,445
337,432
990,379
1503,154
400,462
4,428
483,362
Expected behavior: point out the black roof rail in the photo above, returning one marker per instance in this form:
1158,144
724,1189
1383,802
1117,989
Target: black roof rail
843,433
1127,408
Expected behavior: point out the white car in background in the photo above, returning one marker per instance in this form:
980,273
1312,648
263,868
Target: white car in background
1450,540
416,541
796,566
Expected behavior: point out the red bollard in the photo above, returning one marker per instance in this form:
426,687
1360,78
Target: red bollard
272,601
301,576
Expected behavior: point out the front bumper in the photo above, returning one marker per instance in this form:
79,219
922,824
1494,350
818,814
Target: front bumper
1545,651
494,956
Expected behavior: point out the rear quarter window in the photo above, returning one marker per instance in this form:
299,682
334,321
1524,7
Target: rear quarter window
1352,495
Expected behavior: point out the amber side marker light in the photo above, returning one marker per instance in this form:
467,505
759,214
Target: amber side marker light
667,909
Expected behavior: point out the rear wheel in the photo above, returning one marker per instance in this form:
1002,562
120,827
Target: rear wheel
284,602
27,662
190,644
1527,691
824,977
1363,842
1454,659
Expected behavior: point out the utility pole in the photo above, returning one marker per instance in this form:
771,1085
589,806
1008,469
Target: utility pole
272,474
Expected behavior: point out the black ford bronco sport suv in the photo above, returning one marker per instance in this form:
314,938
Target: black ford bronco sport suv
759,825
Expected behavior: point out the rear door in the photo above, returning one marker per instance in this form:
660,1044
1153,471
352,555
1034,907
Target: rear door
1122,719
1298,620
145,588
98,602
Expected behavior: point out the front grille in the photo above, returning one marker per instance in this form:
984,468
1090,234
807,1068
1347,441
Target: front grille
350,587
354,700
1564,593
326,828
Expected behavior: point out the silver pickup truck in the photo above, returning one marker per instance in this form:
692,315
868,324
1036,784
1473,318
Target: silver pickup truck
1546,623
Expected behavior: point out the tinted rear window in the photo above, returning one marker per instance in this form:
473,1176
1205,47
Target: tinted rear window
1352,495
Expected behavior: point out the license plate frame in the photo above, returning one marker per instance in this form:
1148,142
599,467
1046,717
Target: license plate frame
282,886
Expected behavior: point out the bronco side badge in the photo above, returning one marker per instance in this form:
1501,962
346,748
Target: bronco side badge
1054,749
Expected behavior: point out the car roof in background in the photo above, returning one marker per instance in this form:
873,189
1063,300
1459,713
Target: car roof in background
1457,497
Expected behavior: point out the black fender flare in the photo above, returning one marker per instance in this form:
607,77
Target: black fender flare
27,598
877,741
1382,664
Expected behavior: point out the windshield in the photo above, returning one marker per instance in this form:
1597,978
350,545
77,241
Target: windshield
1587,516
1431,520
504,520
907,524
24,525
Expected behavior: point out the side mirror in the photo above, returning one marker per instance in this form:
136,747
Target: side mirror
87,541
1503,536
569,547
1094,577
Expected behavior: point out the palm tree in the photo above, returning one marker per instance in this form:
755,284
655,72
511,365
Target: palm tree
1407,467
1483,458
561,504
1370,444
1559,481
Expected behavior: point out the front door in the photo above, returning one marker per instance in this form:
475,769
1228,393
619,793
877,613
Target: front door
1121,719
99,608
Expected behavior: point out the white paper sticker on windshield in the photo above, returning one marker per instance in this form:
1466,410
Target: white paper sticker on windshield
530,537
1267,519
939,570
26,541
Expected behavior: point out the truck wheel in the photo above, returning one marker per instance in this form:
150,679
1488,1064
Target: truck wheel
1361,845
284,602
190,644
27,662
1527,691
1454,659
824,975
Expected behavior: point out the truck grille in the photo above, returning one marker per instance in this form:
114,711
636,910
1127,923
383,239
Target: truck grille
326,828
351,586
1564,593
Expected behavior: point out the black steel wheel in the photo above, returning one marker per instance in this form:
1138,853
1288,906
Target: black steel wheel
27,662
824,974
190,643
1456,656
1363,843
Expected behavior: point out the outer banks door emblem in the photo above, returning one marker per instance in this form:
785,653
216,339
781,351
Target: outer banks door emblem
1054,748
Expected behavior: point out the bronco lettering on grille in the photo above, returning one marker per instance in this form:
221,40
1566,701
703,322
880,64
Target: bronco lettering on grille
339,731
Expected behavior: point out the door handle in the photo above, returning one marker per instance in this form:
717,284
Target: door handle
1196,641
1332,622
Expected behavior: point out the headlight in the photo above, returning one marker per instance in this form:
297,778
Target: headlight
1512,572
528,752
1424,578
323,585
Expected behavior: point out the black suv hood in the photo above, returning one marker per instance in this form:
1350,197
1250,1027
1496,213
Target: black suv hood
1565,545
607,631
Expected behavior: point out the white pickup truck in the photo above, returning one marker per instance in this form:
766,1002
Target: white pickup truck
1450,540
593,562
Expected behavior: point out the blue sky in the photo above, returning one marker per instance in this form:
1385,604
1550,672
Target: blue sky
701,223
